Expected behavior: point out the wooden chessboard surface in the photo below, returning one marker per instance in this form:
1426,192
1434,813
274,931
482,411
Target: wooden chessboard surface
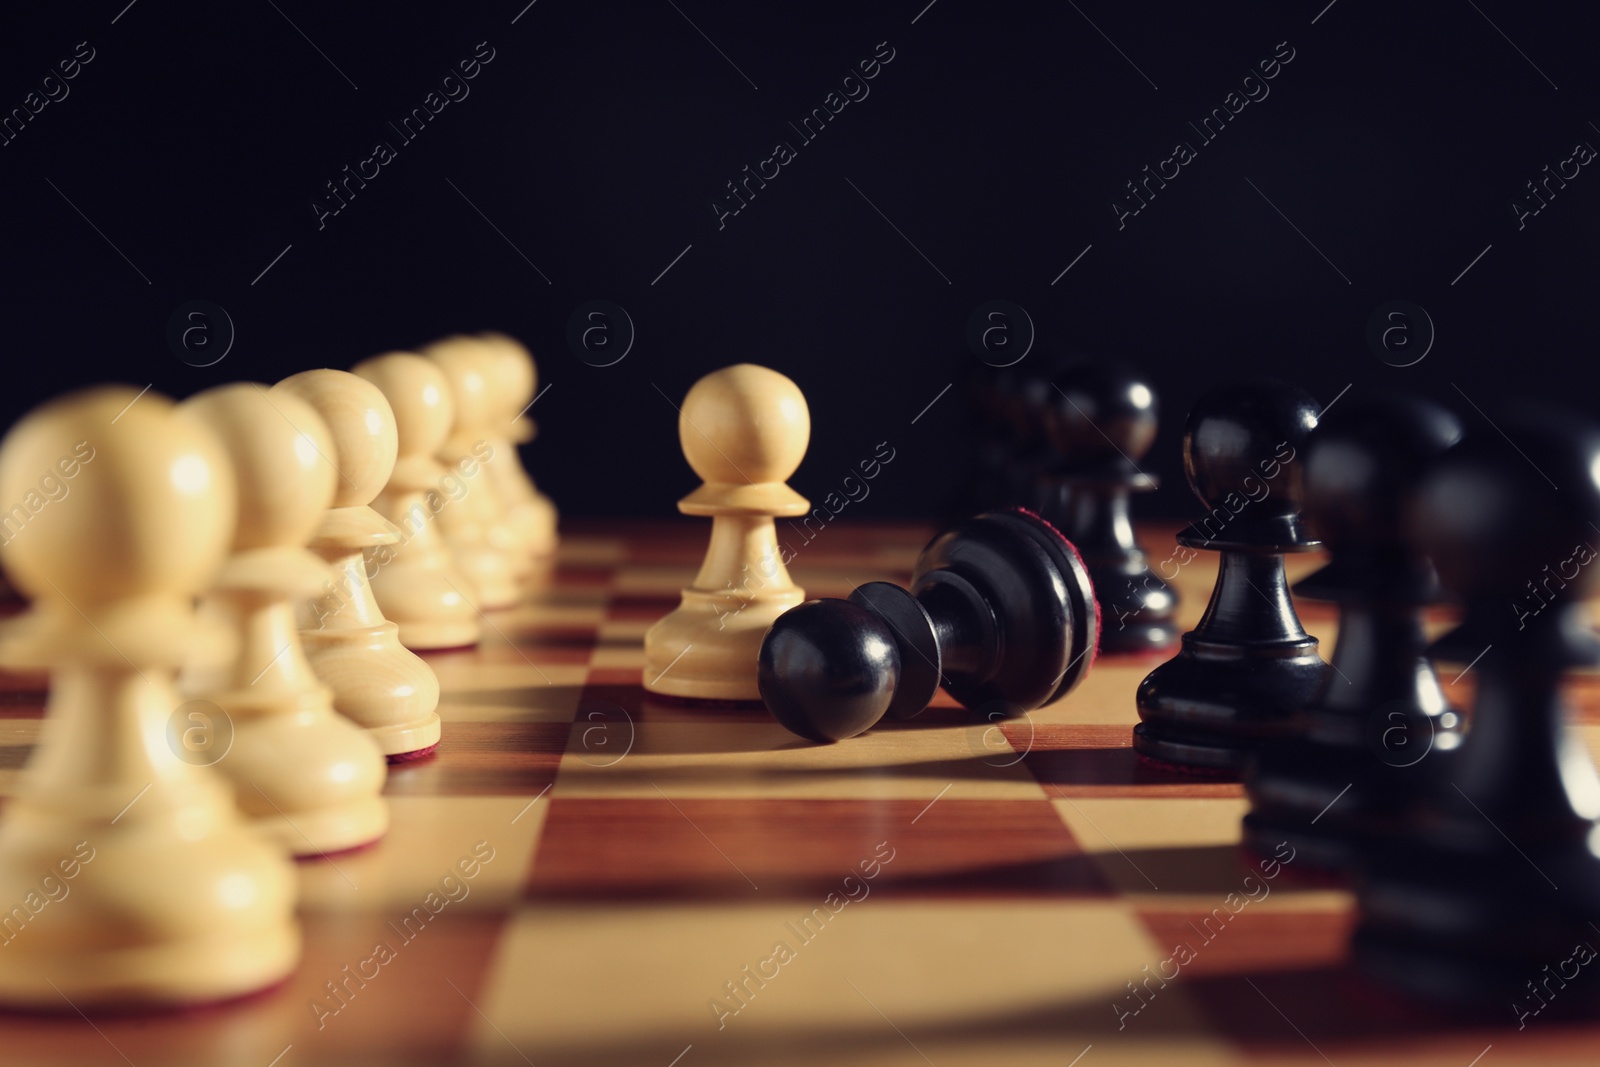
631,857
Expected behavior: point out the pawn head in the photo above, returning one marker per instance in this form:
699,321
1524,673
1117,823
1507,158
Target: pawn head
513,378
469,366
1243,448
514,375
1100,416
1020,399
362,425
1362,461
282,457
1494,522
828,669
744,425
112,495
418,393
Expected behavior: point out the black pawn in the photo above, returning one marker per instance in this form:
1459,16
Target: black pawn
994,450
1247,669
1099,420
1020,396
1380,732
1000,611
1491,897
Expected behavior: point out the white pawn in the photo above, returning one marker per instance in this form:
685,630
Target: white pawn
474,522
138,882
531,514
376,680
309,778
417,583
744,430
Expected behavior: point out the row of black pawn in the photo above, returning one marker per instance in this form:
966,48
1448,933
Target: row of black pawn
1471,838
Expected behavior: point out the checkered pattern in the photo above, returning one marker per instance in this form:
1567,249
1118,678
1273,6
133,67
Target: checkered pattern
647,852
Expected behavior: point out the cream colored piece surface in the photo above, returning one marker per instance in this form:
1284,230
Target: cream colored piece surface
744,430
308,777
483,542
416,582
173,898
376,680
531,514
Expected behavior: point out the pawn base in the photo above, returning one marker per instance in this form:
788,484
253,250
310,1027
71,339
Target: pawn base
413,756
408,741
378,683
317,833
175,903
308,778
493,578
160,977
439,635
432,609
1330,853
534,522
1477,929
1214,704
1339,805
1190,754
1026,626
709,648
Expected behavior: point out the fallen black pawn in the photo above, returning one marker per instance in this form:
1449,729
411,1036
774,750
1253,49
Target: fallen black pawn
1000,611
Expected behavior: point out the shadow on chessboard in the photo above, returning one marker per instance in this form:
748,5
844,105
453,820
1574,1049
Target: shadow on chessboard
1337,1014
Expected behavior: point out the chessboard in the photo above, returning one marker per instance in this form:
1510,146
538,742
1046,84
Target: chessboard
588,874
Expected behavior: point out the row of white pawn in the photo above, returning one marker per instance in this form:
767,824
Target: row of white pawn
190,752
458,411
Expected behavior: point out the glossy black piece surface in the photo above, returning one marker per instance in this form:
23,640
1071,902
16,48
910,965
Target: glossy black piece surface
994,474
828,669
916,638
1099,417
1243,675
1000,610
1015,606
1099,420
1499,877
1379,734
1241,444
1011,451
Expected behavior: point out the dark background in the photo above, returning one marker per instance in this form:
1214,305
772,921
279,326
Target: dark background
996,141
